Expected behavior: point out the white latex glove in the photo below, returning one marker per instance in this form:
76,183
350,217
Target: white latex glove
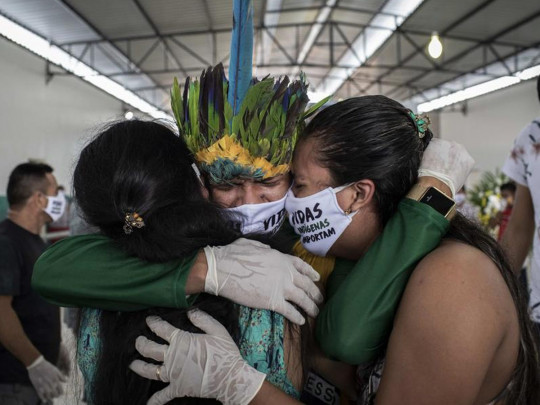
197,365
46,379
252,274
447,161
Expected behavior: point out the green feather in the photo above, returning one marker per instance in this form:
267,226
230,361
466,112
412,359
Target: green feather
315,107
176,105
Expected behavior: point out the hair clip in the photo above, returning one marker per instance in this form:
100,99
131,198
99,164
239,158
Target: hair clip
422,122
132,220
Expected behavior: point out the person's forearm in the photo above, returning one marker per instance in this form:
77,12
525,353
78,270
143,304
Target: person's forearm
516,243
91,271
12,335
270,395
197,275
519,233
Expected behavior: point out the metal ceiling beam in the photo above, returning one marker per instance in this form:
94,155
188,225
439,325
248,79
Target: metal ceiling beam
486,43
453,25
129,63
317,27
105,38
158,34
264,42
277,26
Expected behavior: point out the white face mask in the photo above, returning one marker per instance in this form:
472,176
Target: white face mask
318,219
265,218
56,205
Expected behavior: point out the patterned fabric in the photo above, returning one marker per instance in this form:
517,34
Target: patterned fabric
88,348
261,345
523,166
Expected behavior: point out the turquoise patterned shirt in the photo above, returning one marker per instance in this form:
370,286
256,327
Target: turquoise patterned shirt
261,345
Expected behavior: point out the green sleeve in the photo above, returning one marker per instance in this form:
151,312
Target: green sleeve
91,271
357,319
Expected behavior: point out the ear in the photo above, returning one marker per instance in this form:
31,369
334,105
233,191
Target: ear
363,192
39,199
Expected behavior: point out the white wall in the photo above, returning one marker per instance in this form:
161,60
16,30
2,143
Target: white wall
45,121
491,124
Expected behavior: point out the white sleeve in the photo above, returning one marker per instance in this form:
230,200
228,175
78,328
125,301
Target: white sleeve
515,166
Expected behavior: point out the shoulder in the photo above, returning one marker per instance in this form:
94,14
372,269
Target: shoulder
457,268
7,247
529,133
457,281
448,330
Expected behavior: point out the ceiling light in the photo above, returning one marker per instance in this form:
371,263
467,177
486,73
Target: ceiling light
529,73
58,56
435,46
128,115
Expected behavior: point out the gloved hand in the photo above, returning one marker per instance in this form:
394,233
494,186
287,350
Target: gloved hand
46,379
197,365
64,362
250,273
447,161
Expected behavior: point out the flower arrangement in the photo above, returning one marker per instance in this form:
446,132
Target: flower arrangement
486,195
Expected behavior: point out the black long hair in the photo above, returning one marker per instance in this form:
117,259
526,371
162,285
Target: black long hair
143,167
371,137
376,138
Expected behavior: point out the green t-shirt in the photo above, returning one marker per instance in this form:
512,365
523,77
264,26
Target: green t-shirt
91,271
353,326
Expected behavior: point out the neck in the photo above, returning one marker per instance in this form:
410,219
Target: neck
358,237
30,221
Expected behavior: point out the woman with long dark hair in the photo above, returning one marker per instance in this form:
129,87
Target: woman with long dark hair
136,183
461,334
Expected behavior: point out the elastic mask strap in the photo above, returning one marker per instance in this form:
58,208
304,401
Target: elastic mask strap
341,188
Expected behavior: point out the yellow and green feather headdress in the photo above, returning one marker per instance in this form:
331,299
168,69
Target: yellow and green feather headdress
256,142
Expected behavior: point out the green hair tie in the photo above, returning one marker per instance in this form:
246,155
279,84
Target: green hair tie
422,122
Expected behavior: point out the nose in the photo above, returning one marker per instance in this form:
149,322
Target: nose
250,195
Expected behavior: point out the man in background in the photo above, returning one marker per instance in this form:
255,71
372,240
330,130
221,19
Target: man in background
29,327
523,228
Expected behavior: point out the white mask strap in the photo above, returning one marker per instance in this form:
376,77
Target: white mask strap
341,188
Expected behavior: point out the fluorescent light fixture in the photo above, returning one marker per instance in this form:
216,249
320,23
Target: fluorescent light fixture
469,92
529,73
58,56
479,89
435,46
369,42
